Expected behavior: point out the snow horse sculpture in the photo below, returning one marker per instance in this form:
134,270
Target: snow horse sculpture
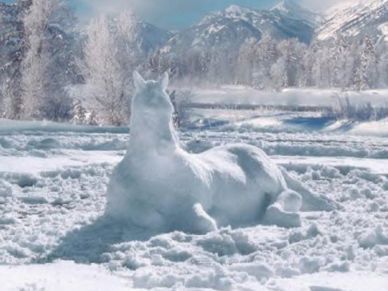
161,187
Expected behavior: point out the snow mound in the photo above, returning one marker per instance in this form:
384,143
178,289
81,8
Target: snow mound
57,215
5,189
160,186
373,238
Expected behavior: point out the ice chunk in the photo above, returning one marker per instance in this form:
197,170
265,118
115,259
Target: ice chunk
26,180
373,238
309,265
5,189
304,234
34,200
257,269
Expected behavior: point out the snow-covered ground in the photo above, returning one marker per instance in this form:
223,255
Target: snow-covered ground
53,236
233,94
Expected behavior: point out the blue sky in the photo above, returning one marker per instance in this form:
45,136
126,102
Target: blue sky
170,14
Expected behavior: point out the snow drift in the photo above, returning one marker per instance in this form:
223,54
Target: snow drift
54,214
160,186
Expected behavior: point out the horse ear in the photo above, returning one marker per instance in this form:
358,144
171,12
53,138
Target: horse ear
138,80
164,81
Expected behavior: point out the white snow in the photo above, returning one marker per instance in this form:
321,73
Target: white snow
384,30
335,282
60,276
373,128
287,97
376,166
52,208
96,278
68,158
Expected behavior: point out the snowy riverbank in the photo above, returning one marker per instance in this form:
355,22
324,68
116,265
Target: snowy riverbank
287,97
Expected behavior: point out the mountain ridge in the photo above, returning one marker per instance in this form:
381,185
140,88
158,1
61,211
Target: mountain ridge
364,18
228,29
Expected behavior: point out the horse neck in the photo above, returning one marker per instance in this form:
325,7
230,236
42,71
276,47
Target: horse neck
151,133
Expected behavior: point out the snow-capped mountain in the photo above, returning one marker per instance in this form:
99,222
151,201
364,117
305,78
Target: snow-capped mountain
290,9
230,28
227,29
149,37
143,37
367,17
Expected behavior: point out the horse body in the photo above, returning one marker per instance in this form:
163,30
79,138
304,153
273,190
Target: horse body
160,186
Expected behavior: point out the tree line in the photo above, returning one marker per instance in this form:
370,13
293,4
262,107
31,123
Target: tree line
344,63
53,68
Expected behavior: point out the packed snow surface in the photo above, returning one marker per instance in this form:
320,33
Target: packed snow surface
60,276
52,204
292,97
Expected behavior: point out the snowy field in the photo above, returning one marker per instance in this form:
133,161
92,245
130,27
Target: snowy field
234,94
53,181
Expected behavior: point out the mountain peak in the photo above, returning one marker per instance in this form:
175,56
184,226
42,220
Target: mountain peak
233,12
286,5
236,11
293,10
356,19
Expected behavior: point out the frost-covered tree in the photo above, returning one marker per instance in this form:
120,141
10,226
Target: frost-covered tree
382,65
47,66
287,69
12,50
36,60
108,64
128,50
222,66
266,56
246,62
307,63
366,72
339,61
350,66
322,67
5,99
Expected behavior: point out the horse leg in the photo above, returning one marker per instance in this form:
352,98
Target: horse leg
310,201
200,220
147,217
284,212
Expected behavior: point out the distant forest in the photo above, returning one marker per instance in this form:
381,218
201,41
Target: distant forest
52,68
